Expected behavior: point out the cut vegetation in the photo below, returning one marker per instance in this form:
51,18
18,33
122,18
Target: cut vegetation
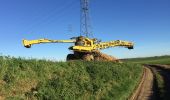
39,79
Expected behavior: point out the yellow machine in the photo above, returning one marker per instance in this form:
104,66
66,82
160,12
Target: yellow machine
84,48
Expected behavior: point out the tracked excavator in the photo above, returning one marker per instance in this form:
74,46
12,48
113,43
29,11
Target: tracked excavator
85,48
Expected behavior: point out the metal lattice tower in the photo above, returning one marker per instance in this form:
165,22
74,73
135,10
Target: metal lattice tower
85,19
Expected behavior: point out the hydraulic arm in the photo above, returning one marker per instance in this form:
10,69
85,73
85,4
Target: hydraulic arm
29,43
103,45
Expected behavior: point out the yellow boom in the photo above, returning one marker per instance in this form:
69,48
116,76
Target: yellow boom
29,43
104,45
82,44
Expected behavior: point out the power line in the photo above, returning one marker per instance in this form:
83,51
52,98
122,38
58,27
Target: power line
50,16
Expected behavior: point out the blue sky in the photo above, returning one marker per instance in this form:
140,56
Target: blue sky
145,22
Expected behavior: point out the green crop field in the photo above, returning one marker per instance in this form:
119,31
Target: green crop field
32,79
150,60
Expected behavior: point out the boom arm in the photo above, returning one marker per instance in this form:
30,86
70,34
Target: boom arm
29,43
103,45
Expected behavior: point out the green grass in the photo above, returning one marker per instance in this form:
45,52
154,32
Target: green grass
150,60
33,79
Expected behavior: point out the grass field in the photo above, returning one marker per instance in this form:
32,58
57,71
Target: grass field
150,60
33,79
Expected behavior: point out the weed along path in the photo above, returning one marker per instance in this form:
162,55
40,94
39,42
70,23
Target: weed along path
154,84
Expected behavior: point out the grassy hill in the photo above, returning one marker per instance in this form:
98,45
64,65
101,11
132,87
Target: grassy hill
32,79
150,60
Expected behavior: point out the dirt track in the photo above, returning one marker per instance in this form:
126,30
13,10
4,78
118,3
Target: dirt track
144,90
148,88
